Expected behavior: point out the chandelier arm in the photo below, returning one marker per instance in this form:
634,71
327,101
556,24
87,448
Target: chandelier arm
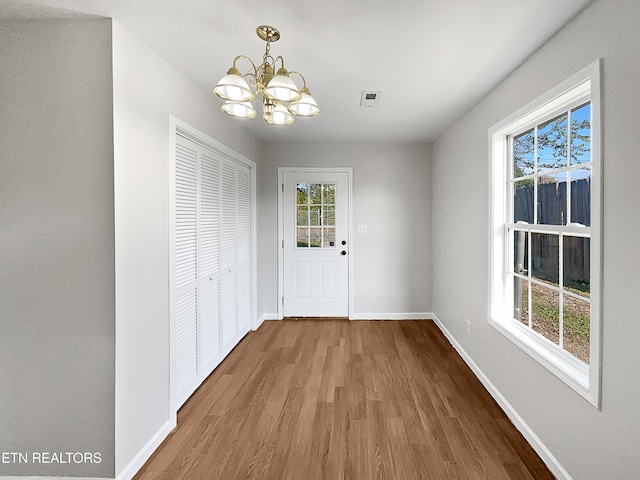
281,61
255,70
304,81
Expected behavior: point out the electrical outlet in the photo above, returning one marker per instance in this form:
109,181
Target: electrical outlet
469,327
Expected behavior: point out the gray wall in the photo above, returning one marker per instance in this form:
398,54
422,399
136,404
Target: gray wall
146,91
391,195
57,305
590,444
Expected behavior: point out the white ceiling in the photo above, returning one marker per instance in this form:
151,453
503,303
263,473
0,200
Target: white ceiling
432,59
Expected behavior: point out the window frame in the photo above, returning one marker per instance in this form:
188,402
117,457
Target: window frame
584,86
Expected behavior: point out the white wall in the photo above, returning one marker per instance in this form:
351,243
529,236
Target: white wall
392,196
57,305
146,91
588,443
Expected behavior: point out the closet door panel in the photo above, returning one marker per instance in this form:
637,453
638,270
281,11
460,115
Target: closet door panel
243,296
228,187
229,311
186,270
186,345
243,247
243,215
209,216
209,323
209,260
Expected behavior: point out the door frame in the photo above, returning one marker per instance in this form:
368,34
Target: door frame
312,170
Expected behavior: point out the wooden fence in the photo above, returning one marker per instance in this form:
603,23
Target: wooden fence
552,210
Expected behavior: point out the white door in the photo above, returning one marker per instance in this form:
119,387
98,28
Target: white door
316,244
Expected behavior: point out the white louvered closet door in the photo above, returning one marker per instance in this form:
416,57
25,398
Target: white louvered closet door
186,297
212,261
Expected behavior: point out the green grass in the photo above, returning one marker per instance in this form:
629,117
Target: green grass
575,326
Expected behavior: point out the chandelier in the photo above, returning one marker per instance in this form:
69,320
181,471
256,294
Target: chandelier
281,99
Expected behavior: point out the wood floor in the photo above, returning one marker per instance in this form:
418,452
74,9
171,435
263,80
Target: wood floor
334,399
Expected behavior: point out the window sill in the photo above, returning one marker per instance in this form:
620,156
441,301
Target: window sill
566,367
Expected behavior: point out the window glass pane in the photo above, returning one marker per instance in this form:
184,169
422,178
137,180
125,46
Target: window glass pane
581,195
302,194
581,135
545,312
520,252
545,250
303,216
523,158
315,193
329,194
552,144
329,239
329,216
302,234
315,237
552,199
523,201
575,327
314,215
521,300
576,262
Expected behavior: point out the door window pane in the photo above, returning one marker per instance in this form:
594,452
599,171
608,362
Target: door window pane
329,194
302,194
329,217
329,238
303,215
315,237
314,215
315,193
302,234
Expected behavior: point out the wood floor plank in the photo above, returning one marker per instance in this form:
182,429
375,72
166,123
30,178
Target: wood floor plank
338,400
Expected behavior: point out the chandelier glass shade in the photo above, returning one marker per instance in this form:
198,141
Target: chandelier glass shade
280,96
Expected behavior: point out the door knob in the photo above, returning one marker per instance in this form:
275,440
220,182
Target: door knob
343,252
344,242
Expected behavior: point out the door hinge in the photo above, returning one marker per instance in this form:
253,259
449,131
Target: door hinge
283,187
282,300
282,243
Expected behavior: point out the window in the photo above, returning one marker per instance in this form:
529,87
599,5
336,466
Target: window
546,230
315,215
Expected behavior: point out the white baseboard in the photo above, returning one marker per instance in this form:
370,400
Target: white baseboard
266,316
143,455
393,316
540,448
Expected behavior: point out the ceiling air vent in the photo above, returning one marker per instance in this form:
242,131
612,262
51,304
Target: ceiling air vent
370,99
